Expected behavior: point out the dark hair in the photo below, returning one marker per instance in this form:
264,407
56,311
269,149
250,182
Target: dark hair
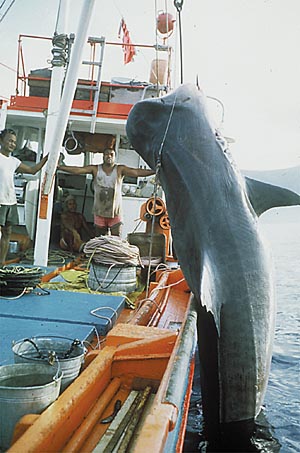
7,131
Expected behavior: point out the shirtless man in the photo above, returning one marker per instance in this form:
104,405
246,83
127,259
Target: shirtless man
108,179
73,224
8,201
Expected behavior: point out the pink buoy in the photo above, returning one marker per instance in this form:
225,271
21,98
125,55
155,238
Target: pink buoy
165,23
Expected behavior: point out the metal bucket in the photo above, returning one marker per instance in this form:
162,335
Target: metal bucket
14,247
25,389
68,353
110,279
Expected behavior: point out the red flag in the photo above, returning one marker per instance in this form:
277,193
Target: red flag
128,48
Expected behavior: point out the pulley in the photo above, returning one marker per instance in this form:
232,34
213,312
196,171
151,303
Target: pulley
155,206
164,222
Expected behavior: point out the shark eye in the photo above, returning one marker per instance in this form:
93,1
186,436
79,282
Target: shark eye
186,99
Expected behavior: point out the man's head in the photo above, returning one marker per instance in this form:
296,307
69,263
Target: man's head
8,141
70,204
109,156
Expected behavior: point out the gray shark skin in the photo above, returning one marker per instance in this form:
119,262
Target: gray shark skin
220,250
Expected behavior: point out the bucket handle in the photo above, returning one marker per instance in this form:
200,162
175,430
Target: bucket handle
52,358
75,342
56,376
29,340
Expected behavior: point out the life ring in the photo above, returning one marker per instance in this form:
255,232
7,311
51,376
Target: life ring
72,145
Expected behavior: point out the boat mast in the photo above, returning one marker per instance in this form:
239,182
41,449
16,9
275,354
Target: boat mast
57,119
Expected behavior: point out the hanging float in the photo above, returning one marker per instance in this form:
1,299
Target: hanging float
159,66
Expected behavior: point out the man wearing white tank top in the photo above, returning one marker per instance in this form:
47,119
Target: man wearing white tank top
108,178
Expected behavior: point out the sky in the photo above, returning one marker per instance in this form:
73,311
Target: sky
244,52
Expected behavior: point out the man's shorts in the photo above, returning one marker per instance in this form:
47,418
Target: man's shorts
107,222
9,215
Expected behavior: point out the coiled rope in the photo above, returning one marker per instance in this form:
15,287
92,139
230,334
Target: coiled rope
112,250
19,280
55,257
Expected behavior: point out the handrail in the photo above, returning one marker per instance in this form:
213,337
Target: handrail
22,79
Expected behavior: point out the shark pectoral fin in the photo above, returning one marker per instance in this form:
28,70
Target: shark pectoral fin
265,196
208,295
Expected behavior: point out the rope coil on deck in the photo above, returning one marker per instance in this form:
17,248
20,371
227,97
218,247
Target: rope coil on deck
112,250
17,280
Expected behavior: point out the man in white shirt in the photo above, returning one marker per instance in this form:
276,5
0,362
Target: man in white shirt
8,201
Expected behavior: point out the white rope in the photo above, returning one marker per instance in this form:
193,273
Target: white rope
112,250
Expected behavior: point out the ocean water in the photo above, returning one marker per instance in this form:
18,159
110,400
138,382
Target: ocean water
278,426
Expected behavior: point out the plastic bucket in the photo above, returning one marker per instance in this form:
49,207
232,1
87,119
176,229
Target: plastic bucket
25,389
68,353
109,279
158,72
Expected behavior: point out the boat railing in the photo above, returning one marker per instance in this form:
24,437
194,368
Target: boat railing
92,90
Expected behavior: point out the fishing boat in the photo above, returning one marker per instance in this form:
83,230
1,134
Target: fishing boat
134,381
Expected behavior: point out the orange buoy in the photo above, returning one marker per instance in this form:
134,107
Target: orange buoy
165,23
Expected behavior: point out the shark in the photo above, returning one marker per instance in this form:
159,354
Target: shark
226,261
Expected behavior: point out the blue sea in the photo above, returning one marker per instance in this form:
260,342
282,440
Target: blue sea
278,426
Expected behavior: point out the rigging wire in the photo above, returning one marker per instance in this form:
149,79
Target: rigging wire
2,3
178,5
57,17
158,166
8,67
8,8
156,50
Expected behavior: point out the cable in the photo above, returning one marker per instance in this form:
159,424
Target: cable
13,1
16,297
178,5
101,284
157,169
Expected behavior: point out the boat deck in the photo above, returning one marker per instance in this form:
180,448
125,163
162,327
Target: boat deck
149,345
57,313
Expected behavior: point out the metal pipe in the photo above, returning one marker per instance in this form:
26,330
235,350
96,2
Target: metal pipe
44,225
54,139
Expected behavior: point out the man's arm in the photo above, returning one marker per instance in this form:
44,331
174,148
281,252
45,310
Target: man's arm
22,168
79,170
135,172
